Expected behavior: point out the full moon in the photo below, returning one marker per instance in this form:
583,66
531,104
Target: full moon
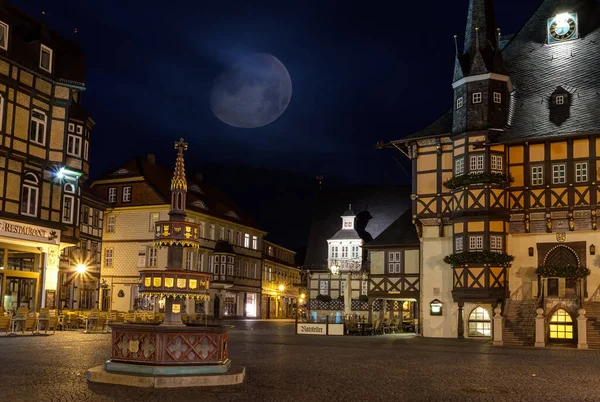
254,92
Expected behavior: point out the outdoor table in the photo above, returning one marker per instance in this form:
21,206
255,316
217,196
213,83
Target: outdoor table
41,319
91,319
14,320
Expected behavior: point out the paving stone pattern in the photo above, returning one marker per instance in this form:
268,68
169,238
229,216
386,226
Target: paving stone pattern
284,367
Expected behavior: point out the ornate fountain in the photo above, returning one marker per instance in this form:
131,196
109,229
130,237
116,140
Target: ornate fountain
171,353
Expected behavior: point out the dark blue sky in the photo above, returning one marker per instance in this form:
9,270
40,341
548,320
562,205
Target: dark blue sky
361,72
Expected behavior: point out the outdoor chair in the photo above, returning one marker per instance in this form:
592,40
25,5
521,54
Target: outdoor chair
5,324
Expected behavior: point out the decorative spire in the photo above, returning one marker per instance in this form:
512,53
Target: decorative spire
481,18
179,183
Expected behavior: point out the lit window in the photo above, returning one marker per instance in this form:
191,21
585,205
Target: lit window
560,99
46,58
37,127
154,217
73,145
152,256
480,323
323,287
110,223
475,242
477,97
496,162
29,198
581,172
537,175
558,174
189,260
497,97
476,165
459,166
68,203
112,194
561,325
108,257
458,243
221,233
496,243
255,242
200,262
127,194
246,240
3,36
459,102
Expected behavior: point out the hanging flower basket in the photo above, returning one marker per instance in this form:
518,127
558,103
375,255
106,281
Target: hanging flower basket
563,271
479,178
479,257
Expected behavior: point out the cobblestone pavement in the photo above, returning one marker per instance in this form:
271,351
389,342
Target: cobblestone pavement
284,367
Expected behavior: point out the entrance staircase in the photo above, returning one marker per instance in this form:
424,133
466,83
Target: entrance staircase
592,312
519,323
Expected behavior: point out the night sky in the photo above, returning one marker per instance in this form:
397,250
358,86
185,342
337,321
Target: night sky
361,72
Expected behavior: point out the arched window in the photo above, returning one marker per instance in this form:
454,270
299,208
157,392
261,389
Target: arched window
68,203
561,326
480,323
30,195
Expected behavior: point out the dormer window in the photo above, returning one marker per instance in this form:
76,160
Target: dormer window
459,103
497,97
477,97
199,204
3,36
232,214
196,189
46,58
560,100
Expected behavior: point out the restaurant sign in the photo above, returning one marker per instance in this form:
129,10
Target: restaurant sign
29,232
312,329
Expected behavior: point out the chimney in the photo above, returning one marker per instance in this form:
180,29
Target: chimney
152,159
199,177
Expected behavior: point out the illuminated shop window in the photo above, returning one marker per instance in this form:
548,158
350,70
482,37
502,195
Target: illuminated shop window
561,325
480,323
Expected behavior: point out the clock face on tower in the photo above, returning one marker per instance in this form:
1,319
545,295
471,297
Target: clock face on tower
562,27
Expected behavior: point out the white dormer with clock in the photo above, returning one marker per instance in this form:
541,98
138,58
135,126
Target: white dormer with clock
563,27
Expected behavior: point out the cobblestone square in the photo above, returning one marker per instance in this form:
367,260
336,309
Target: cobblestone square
282,366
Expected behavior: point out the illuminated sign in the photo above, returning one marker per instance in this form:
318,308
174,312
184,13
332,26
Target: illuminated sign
312,329
181,283
29,232
176,308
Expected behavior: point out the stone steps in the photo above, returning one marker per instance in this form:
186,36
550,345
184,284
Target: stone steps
592,312
519,323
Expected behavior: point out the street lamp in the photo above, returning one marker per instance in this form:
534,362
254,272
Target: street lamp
81,268
281,288
335,269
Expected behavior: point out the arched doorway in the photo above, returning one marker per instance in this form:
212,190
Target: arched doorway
561,327
561,255
217,307
480,324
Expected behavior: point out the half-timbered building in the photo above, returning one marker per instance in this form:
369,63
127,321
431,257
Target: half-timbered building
44,156
506,182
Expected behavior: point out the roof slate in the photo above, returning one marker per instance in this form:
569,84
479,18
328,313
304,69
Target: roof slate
346,234
401,232
442,125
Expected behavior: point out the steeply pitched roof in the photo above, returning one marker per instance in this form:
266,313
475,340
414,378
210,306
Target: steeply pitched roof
537,70
376,206
346,234
442,125
401,232
159,178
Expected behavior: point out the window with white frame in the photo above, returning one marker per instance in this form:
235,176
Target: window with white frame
127,194
238,236
37,127
108,257
86,150
73,145
496,243
71,128
30,195
364,287
112,194
200,262
68,203
222,233
496,162
581,172
79,129
255,242
354,251
46,58
154,217
3,35
497,97
477,97
189,260
230,236
394,267
459,166
559,173
255,271
142,257
110,223
537,175
323,287
344,251
210,263
459,102
458,243
246,271
334,251
247,240
560,99
212,232
476,165
476,243
152,256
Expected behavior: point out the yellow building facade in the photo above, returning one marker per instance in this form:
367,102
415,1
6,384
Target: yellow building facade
282,290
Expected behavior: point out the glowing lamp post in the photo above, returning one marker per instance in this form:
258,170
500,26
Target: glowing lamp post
81,268
335,269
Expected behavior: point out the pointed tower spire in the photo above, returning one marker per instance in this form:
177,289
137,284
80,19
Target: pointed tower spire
179,182
481,18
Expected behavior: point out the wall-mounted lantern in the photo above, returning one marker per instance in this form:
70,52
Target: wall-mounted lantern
531,251
592,250
435,307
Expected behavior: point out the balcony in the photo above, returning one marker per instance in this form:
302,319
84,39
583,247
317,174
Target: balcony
479,283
